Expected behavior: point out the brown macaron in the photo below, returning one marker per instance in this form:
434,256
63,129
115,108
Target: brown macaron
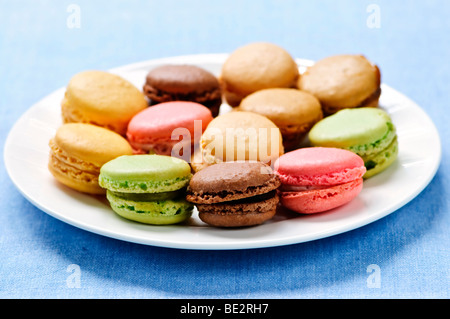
183,83
235,194
343,81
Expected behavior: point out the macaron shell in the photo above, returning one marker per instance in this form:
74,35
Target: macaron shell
293,111
231,176
146,167
156,124
241,136
145,174
182,79
321,200
342,81
151,212
258,66
102,98
284,106
354,128
90,143
319,166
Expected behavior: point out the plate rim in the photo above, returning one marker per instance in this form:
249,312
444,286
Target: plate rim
250,244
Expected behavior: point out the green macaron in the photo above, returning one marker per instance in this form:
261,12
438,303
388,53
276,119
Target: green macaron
368,132
148,189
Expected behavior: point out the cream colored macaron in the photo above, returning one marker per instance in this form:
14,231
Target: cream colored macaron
292,110
343,81
241,136
254,67
103,99
79,150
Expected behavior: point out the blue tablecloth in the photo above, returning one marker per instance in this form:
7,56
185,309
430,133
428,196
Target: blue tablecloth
404,255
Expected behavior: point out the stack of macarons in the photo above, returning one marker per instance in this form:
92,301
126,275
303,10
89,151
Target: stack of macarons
109,127
302,140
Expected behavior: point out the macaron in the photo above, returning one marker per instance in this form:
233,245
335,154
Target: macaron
234,194
293,111
103,99
254,67
169,128
78,151
149,189
343,81
368,132
318,179
241,136
175,82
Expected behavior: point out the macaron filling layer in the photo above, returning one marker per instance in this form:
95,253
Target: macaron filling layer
143,186
145,197
229,195
259,204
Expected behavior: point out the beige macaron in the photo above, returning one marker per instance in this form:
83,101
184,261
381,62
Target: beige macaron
240,136
103,99
293,111
79,150
343,81
254,67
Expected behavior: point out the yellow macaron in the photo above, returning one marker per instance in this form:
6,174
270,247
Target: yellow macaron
343,81
293,111
240,136
103,99
79,150
254,67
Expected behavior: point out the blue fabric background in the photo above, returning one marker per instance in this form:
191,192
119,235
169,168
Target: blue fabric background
39,53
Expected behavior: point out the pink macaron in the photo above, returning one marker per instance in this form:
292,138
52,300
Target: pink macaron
168,128
317,179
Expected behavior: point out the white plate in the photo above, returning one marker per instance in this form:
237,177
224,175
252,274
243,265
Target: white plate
26,155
